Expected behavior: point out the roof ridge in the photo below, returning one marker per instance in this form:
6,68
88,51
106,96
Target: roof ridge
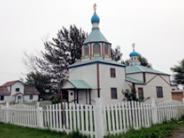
132,78
9,83
138,66
96,36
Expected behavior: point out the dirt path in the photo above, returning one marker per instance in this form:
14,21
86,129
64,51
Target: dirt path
179,133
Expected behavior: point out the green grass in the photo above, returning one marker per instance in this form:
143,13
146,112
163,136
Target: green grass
11,131
157,131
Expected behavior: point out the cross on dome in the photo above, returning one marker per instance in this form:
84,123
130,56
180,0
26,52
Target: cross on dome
133,46
95,18
94,7
96,45
134,53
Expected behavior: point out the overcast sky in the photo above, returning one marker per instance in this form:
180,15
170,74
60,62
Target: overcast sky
156,26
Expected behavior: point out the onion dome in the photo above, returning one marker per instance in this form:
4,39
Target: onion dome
95,18
95,35
134,53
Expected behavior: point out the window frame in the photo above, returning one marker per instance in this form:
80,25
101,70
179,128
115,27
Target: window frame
99,49
140,89
114,96
19,97
159,92
113,72
17,89
86,49
31,97
2,98
106,50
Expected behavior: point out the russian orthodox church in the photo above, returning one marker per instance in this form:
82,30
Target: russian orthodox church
98,76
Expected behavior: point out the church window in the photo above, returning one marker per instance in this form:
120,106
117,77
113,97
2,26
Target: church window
1,98
140,94
113,72
159,91
114,94
17,89
86,51
96,49
19,97
31,97
106,50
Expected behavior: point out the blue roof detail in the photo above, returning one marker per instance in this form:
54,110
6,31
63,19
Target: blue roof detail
141,69
134,54
95,18
95,36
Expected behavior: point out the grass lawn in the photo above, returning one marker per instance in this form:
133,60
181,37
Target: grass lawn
11,131
157,131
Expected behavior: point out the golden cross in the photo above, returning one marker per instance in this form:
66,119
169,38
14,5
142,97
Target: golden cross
133,46
94,7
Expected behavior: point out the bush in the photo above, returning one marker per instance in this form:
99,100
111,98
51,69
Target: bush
76,135
55,99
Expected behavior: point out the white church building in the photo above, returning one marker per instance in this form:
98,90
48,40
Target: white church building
98,76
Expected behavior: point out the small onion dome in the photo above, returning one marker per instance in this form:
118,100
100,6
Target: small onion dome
134,54
95,18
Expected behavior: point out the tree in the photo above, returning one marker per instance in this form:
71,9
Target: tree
40,81
130,94
179,72
143,61
61,51
116,54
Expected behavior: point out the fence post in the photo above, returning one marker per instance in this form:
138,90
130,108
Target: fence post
7,112
183,106
99,119
154,111
39,111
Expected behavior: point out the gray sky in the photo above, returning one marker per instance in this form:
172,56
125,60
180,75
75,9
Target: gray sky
156,26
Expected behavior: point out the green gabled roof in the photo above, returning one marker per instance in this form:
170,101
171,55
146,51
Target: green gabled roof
95,36
134,80
140,69
80,84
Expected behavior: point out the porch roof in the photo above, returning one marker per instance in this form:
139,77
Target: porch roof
133,80
77,84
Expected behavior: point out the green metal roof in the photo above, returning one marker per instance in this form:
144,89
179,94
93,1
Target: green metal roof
80,84
95,36
140,69
134,80
95,61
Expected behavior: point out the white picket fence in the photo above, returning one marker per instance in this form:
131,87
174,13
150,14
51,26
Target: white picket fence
123,116
93,120
69,117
